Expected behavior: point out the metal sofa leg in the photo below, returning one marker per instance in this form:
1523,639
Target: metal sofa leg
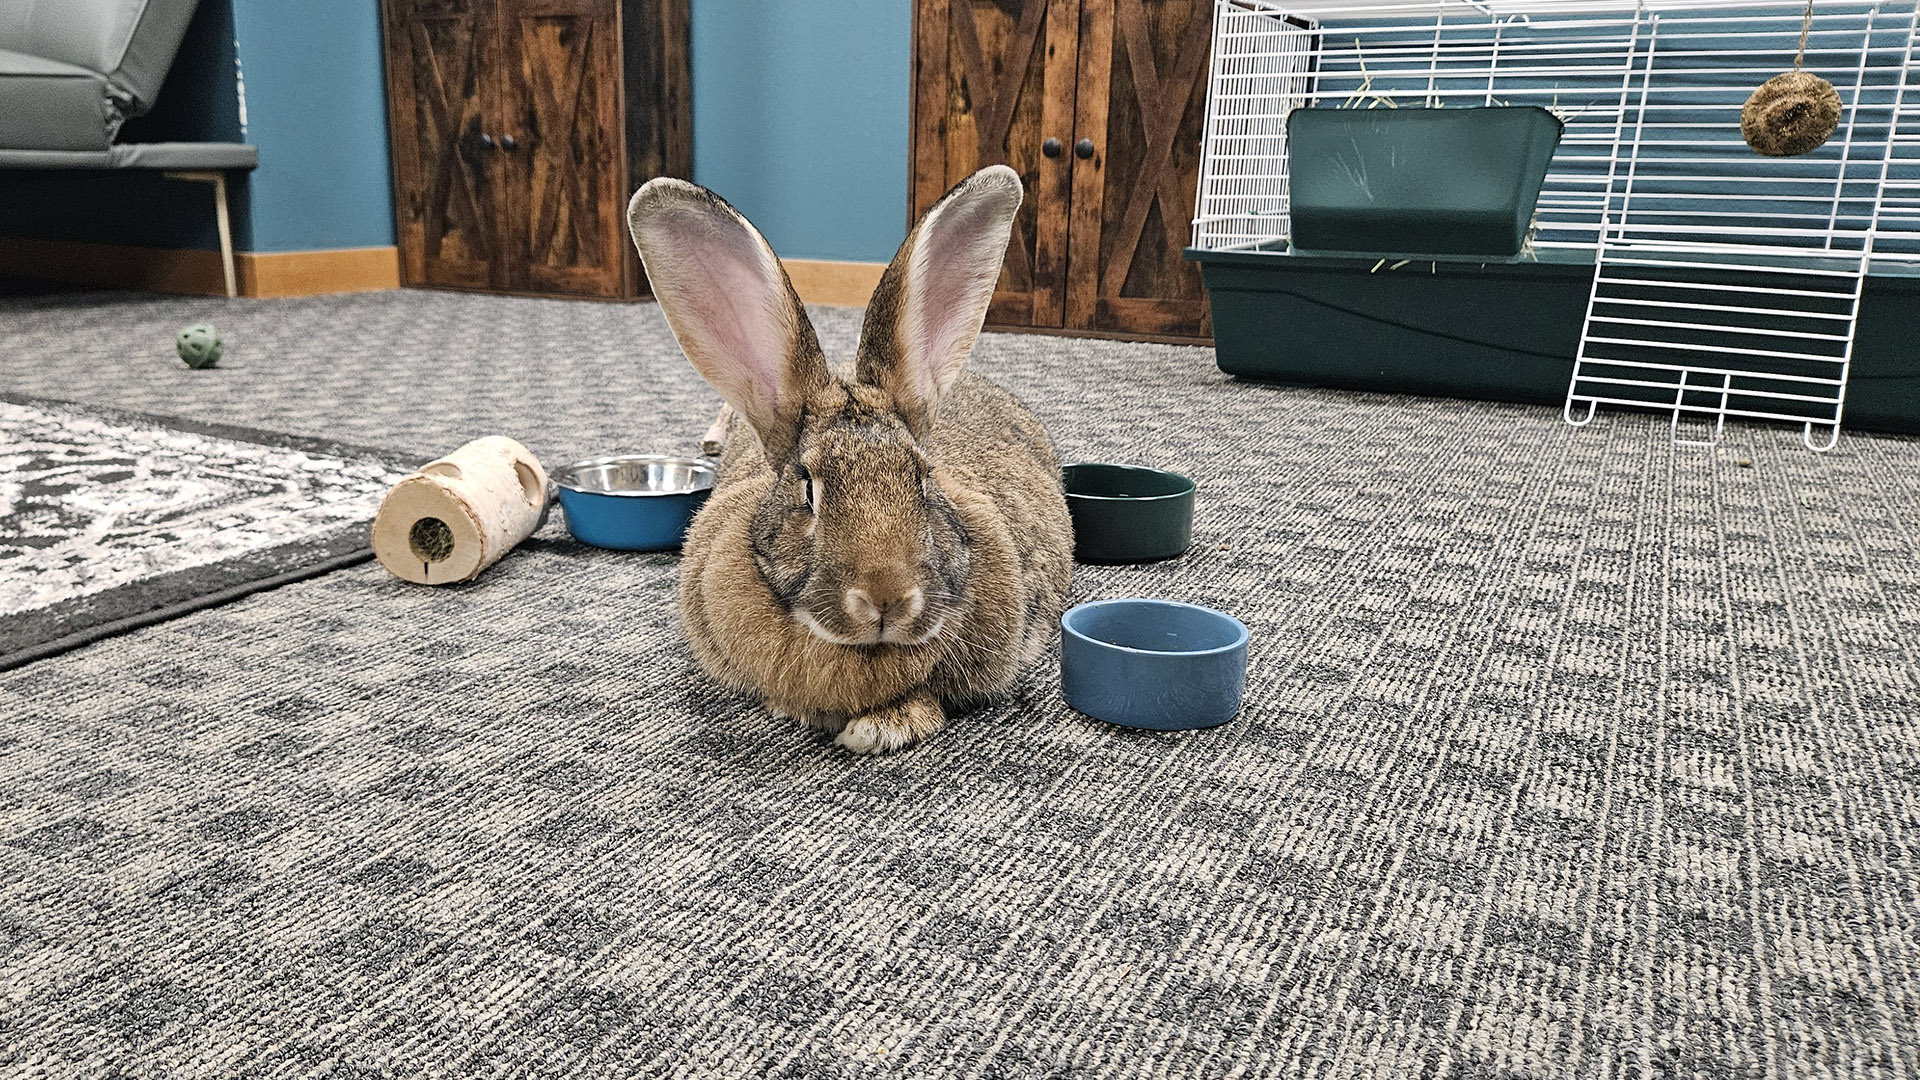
219,182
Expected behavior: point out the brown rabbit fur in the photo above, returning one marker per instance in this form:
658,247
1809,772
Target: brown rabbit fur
887,544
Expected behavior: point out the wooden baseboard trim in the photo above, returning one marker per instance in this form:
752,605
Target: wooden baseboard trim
310,273
115,266
194,272
836,284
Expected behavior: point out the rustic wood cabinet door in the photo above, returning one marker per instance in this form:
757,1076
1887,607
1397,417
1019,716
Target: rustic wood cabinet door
562,175
1142,99
438,96
518,129
993,81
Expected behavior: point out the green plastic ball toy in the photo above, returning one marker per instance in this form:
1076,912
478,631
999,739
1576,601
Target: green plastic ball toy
198,345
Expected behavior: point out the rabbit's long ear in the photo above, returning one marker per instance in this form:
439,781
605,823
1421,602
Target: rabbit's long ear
927,310
728,299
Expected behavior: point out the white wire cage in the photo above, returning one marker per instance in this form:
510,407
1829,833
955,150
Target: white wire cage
1726,283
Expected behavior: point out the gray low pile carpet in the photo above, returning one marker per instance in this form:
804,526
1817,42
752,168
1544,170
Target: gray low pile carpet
1566,753
110,520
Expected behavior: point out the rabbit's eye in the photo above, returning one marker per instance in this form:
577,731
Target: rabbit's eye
806,483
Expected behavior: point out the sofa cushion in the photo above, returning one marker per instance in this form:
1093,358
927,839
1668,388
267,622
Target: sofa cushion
54,106
196,156
130,42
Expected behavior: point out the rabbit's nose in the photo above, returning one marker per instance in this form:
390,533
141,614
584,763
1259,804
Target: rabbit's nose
871,603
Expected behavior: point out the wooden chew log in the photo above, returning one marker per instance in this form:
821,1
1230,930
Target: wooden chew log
458,515
715,440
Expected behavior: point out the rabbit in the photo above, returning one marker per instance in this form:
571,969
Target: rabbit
894,539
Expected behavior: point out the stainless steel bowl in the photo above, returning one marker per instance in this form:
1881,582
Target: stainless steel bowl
637,474
633,502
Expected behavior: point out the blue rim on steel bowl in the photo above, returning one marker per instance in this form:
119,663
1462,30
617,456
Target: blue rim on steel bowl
633,502
1160,665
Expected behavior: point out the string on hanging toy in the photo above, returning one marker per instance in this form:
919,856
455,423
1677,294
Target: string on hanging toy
1794,112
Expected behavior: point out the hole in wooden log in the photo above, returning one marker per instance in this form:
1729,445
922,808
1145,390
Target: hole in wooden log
430,540
529,483
443,468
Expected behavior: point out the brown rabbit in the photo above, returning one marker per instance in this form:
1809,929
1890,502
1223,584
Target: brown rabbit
892,543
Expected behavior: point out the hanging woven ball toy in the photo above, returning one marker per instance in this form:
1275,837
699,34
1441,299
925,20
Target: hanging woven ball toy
1792,113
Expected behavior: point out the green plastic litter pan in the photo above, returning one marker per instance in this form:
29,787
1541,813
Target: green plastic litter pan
1414,182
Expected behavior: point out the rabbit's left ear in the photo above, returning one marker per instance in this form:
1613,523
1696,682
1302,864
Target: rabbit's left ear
927,310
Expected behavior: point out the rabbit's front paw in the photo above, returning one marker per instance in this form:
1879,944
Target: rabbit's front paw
831,723
894,727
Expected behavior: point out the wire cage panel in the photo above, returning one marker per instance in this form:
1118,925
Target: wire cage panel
1761,344
1263,65
1693,233
1790,238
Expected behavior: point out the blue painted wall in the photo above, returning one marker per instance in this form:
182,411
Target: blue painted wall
316,108
800,119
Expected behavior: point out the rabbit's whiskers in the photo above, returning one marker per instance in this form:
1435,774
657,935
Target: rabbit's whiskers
817,629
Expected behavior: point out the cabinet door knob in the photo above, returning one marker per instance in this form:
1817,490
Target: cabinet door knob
1051,148
507,143
486,139
1083,149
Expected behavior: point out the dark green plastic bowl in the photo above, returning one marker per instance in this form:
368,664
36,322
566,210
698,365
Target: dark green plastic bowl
1127,513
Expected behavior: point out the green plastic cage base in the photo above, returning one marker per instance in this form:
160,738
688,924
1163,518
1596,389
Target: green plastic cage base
1493,331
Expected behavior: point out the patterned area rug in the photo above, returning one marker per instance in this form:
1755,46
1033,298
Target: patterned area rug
110,520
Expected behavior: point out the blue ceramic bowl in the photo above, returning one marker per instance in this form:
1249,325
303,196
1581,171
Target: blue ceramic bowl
1153,664
633,502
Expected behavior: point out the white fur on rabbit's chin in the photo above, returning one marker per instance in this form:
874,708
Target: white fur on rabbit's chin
885,637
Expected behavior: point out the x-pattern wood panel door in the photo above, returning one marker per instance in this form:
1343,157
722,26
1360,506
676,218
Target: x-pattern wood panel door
448,212
1097,246
999,77
564,168
518,129
1143,100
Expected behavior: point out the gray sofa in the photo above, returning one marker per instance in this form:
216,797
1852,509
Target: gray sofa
72,71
